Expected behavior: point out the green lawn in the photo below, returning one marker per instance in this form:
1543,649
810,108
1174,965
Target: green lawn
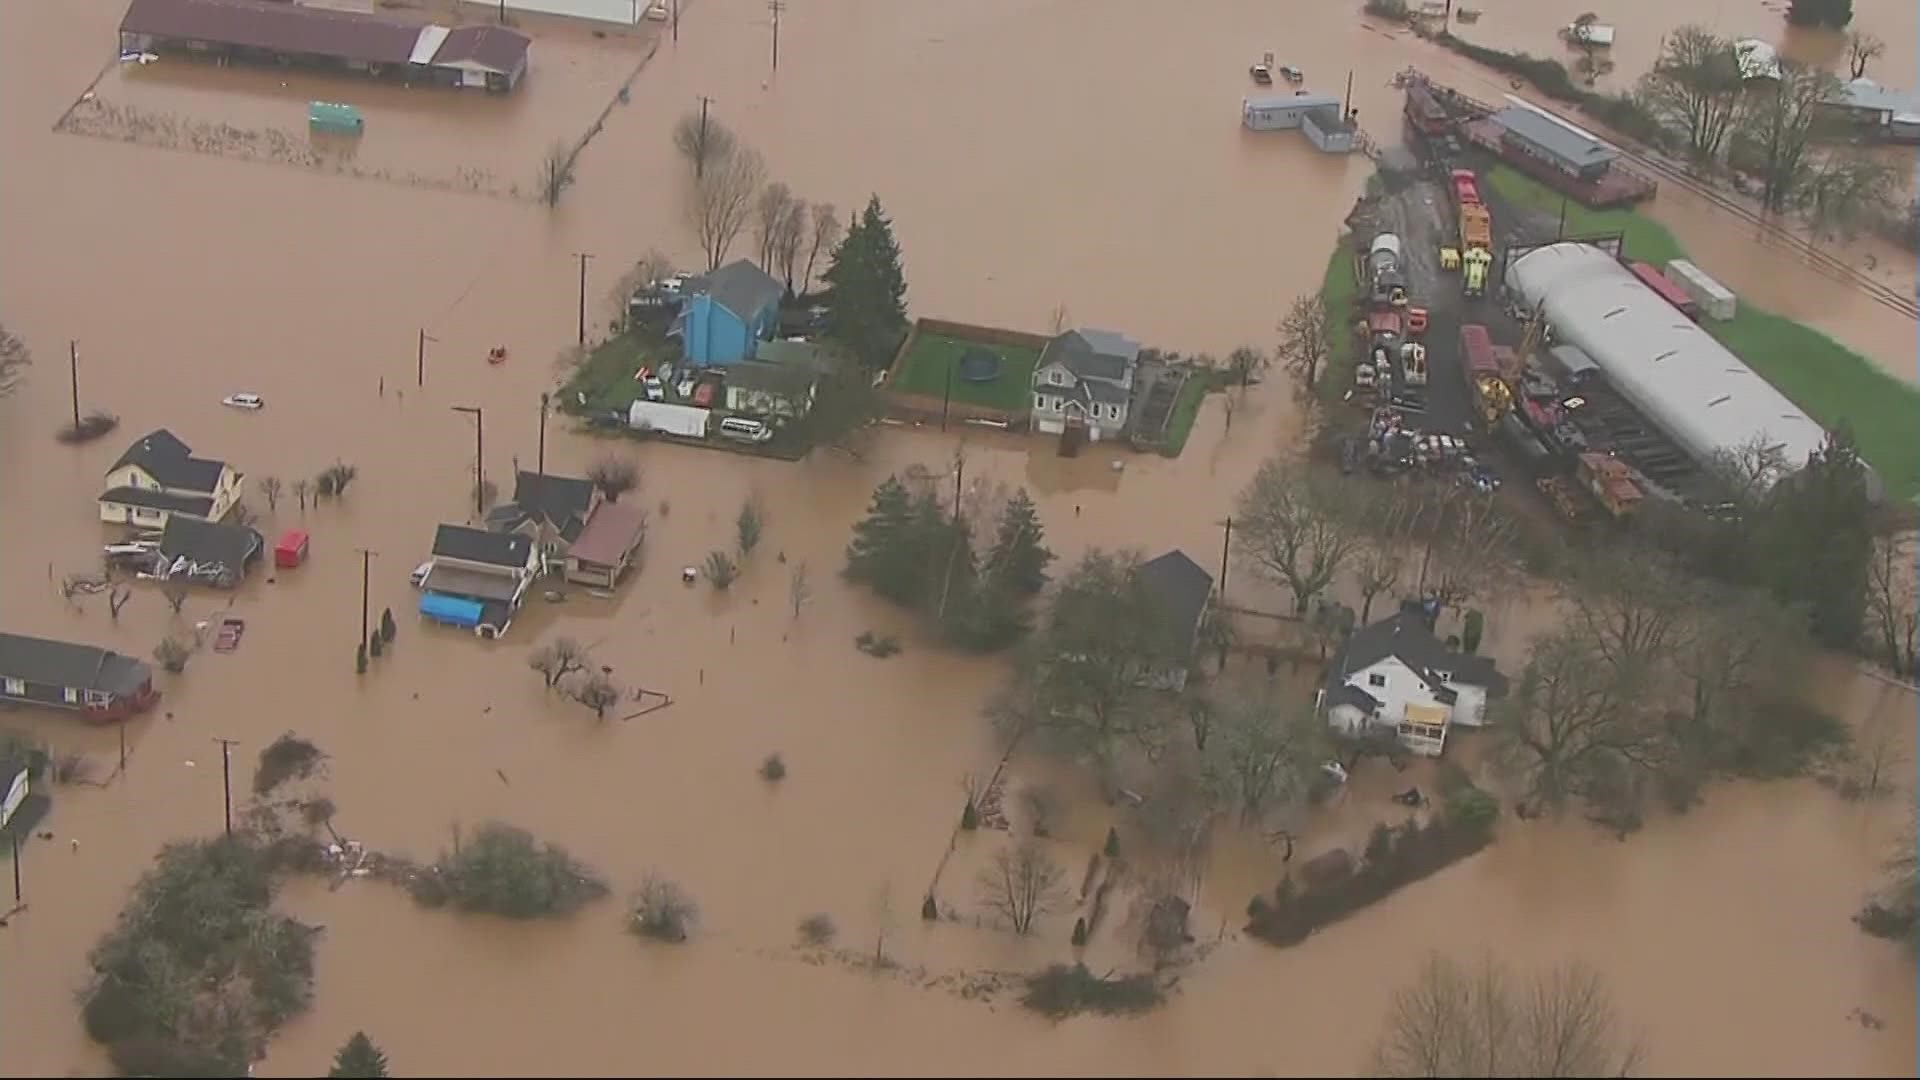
1186,408
1647,240
1832,383
606,376
924,371
1337,286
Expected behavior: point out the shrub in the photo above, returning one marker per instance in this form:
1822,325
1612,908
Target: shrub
504,871
1394,859
721,569
172,653
1064,990
879,646
286,758
817,929
773,769
663,911
1472,809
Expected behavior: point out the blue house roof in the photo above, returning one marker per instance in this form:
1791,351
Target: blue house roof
451,610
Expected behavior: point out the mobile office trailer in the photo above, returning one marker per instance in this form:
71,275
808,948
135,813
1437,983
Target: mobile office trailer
683,420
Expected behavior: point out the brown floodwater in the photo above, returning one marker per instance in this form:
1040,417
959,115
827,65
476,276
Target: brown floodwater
187,276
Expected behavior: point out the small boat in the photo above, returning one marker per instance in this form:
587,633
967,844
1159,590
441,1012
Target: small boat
1262,72
1291,74
244,401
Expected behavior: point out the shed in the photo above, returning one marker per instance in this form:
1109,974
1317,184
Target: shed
452,610
1278,112
334,118
1568,149
291,551
1715,300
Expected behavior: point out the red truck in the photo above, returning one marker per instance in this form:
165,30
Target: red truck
1466,189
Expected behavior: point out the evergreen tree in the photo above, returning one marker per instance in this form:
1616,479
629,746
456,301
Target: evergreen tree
1815,540
388,627
883,554
866,294
1019,557
1831,14
359,1058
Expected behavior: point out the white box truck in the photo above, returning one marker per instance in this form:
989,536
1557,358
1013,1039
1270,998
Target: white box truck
1715,301
683,420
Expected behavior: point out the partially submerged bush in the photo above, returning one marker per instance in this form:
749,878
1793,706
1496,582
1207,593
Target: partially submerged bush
505,871
817,929
91,426
722,571
172,653
1395,857
773,769
199,970
1066,990
879,646
288,757
663,911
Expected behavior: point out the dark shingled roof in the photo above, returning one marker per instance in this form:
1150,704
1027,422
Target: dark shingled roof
1405,636
560,501
171,462
786,380
1092,354
280,27
742,288
232,546
1180,590
481,546
493,47
197,505
63,664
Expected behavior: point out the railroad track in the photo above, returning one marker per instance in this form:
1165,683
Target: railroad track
1816,256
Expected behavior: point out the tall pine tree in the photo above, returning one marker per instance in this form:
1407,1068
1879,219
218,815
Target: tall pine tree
1019,556
1815,539
359,1058
866,295
883,554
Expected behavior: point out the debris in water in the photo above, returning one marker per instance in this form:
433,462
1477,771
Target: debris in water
503,777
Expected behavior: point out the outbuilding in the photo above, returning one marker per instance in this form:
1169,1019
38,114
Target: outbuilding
291,551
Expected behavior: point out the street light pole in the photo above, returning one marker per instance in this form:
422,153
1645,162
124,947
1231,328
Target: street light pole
583,257
479,457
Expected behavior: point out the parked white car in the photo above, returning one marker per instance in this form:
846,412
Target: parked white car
419,575
244,401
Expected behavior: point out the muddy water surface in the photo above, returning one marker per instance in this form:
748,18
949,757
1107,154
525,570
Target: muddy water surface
187,276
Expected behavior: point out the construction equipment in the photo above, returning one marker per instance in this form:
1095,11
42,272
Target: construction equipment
1413,363
1384,274
1483,372
1476,232
1611,482
1475,266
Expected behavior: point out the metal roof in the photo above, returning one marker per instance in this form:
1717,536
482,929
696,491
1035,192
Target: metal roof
68,665
1553,135
1871,96
1303,100
1700,394
614,530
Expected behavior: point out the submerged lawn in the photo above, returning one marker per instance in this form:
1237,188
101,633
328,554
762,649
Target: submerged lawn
1337,288
1834,384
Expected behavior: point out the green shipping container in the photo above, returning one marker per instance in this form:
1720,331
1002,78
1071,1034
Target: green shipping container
339,119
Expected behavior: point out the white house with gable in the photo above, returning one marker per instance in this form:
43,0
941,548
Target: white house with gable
1395,676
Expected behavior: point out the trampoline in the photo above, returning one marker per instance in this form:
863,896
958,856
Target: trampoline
979,365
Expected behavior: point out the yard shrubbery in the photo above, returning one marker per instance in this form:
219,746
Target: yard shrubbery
503,870
1065,990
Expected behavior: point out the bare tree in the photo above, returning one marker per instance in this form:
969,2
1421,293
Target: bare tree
770,211
597,691
116,599
1779,123
1749,470
1305,340
662,910
614,475
558,659
176,591
1574,728
1892,608
1290,523
556,173
1633,604
723,201
645,270
703,141
823,238
270,490
1849,190
1246,363
1735,646
799,591
1022,885
14,360
788,238
1458,1021
1377,567
1264,752
301,489
1466,546
1695,86
1863,48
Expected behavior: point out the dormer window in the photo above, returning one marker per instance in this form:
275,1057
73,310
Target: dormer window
1057,377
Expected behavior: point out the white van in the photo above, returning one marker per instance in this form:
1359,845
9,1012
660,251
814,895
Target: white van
739,427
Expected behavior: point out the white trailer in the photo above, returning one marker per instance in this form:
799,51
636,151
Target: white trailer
682,420
1715,301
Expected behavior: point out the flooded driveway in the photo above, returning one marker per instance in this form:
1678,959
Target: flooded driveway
187,276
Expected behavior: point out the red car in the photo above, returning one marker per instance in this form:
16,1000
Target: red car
703,395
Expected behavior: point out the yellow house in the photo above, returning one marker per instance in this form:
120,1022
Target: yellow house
159,477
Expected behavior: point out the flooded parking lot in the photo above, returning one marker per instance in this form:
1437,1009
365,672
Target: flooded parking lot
185,277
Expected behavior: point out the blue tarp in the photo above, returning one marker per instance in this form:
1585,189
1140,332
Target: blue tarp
453,610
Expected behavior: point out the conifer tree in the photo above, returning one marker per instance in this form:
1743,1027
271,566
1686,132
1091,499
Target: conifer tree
359,1058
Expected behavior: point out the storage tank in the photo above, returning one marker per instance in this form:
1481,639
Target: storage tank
1702,396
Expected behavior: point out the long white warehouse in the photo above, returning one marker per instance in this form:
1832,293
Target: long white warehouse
1705,398
625,12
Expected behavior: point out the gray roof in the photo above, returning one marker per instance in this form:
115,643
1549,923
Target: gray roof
197,505
1294,100
481,546
67,665
1180,589
1665,364
1562,141
560,501
742,288
1869,95
1349,694
786,380
1405,636
232,546
169,461
1092,354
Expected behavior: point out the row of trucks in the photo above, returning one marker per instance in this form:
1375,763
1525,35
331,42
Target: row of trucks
1476,232
1392,329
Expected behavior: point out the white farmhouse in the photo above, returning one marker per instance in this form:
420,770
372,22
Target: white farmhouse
1395,676
1085,380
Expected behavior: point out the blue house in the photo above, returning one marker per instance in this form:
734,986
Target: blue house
728,313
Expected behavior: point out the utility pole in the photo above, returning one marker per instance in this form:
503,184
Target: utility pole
73,372
503,12
16,866
583,257
366,565
542,466
1226,546
776,6
1559,232
959,473
420,358
946,399
226,777
479,457
700,159
676,22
